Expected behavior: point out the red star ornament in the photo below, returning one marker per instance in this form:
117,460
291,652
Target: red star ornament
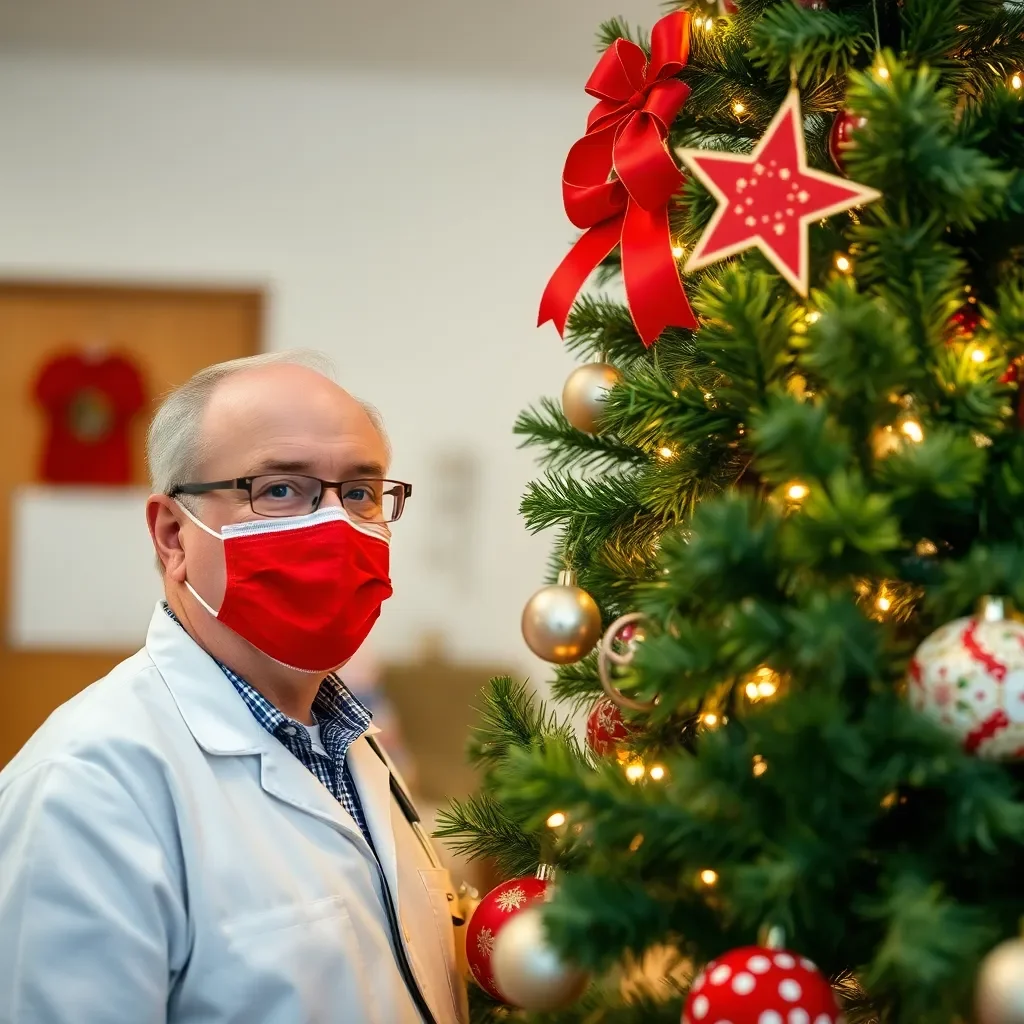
769,198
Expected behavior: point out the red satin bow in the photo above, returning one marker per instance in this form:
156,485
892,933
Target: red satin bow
626,131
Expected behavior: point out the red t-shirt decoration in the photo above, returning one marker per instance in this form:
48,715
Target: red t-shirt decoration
90,402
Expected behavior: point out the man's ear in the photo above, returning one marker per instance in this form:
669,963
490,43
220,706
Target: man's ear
163,516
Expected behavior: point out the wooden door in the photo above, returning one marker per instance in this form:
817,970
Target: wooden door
169,333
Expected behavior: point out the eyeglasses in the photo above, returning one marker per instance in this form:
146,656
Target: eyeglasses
286,494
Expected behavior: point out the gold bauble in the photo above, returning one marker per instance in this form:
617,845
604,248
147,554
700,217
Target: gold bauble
999,992
584,394
527,971
561,623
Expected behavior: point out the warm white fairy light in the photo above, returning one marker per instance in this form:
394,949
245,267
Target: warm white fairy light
635,771
657,772
709,876
738,108
797,491
666,453
762,684
913,430
1016,81
813,316
760,766
710,719
978,354
556,820
843,264
883,602
677,252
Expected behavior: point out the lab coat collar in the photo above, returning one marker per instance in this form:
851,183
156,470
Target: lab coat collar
222,725
212,708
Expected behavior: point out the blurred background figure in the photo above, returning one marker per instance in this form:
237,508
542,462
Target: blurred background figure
182,184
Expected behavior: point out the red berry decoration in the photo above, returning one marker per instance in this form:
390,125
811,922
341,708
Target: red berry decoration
495,910
840,136
606,731
757,985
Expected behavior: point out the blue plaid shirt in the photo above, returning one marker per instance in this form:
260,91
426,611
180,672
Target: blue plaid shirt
342,720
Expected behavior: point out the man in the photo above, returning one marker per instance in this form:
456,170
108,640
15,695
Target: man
211,833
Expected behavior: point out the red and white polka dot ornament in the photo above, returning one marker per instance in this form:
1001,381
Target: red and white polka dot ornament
758,985
494,911
968,676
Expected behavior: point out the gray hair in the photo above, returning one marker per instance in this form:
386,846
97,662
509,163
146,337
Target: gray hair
174,443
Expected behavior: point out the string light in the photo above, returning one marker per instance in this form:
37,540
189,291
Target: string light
883,602
913,430
760,766
813,316
1016,81
635,771
677,252
710,719
797,491
556,820
925,548
843,264
708,24
763,683
978,354
657,772
709,877
666,453
636,842
882,71
738,108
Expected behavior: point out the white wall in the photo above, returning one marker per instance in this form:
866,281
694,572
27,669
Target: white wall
404,226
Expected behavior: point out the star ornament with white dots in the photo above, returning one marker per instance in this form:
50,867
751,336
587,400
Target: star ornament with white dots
769,198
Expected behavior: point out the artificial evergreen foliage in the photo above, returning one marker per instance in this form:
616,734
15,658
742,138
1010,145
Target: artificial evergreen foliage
830,809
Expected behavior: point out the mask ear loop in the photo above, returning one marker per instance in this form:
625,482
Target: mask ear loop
213,533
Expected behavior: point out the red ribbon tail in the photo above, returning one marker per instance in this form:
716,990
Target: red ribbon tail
653,288
573,271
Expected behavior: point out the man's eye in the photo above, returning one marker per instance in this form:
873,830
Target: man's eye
357,494
280,491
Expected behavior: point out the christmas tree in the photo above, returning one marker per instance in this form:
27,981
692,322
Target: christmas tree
788,483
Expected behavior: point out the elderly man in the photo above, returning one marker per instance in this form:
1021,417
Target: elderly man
211,833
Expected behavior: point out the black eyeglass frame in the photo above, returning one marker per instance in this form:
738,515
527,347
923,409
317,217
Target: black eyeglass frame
244,483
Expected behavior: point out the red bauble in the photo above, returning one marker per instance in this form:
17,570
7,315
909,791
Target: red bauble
964,322
494,911
606,731
840,136
756,985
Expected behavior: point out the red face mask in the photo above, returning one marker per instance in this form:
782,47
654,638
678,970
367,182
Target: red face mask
304,590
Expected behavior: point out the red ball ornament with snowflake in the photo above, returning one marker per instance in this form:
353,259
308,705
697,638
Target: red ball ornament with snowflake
607,733
968,676
494,911
758,985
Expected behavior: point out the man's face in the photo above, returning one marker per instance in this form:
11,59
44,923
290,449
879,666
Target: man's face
262,421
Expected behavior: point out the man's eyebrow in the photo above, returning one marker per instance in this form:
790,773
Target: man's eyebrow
358,472
283,466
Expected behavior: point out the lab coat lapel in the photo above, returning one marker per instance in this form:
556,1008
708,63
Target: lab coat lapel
223,726
373,782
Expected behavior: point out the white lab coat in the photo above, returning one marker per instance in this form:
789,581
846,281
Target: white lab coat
164,859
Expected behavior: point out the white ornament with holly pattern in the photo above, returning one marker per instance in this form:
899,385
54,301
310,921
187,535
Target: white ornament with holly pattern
968,676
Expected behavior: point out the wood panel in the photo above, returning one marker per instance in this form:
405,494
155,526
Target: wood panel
169,333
